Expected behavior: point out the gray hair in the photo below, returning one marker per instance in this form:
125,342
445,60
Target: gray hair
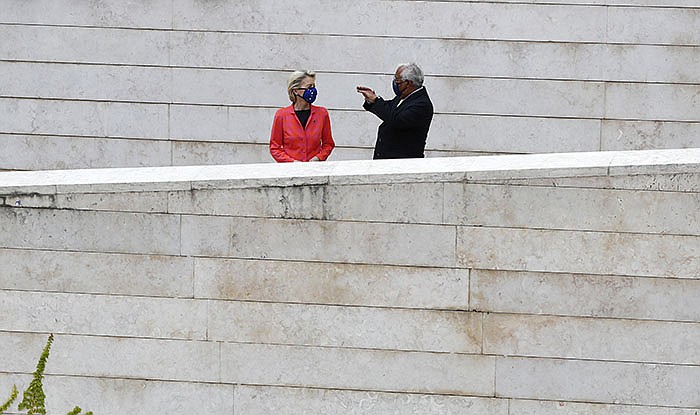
411,72
296,78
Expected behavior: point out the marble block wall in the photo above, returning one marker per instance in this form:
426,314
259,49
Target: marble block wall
119,83
495,285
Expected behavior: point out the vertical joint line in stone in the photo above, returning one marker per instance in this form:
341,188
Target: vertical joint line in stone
220,343
169,195
206,329
324,200
233,398
443,206
483,317
454,247
606,41
194,282
172,27
179,220
469,289
170,136
495,383
607,25
604,117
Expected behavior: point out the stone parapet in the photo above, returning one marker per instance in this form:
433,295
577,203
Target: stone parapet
505,285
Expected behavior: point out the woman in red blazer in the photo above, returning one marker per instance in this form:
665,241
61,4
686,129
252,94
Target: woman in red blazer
301,131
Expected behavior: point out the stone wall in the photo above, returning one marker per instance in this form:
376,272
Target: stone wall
510,285
182,82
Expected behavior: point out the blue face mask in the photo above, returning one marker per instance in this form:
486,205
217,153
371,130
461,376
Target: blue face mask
395,87
310,94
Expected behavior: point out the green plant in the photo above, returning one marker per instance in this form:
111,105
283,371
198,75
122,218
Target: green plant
13,396
33,399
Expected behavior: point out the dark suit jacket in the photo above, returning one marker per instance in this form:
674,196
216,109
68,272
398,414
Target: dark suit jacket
405,129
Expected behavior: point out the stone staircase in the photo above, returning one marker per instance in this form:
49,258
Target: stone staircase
185,82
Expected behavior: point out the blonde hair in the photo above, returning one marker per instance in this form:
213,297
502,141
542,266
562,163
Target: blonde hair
295,80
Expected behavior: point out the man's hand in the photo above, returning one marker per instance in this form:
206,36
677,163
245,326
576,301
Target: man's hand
369,95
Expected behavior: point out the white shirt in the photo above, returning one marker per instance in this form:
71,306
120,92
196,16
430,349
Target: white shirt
401,102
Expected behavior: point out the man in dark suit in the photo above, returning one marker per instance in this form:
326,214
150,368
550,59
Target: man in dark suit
406,118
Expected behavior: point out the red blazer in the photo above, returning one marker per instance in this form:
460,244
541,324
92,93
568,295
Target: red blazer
289,141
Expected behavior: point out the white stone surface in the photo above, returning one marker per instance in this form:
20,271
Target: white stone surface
189,153
121,358
654,101
127,358
84,44
658,3
540,166
375,370
84,272
247,125
662,63
84,118
155,14
578,252
202,134
550,208
598,382
502,21
403,202
222,124
257,88
449,132
90,231
374,203
305,202
327,283
156,202
252,400
591,339
455,132
585,295
90,82
532,407
481,57
366,17
505,76
663,163
497,20
348,327
103,395
664,181
37,152
199,83
643,135
643,30
317,303
486,20
102,315
121,201
354,242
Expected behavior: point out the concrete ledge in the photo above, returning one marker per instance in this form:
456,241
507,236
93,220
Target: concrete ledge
507,167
